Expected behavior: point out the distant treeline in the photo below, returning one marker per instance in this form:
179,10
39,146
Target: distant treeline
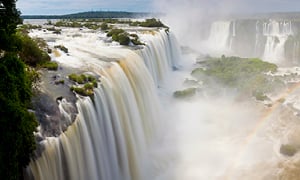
92,14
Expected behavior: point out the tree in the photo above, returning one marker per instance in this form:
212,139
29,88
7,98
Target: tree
9,19
17,123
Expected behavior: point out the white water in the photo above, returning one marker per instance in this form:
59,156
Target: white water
160,54
219,37
110,137
123,136
223,33
296,52
277,33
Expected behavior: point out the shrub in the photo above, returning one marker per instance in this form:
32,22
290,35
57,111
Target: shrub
82,91
104,26
89,82
30,53
123,39
88,86
152,23
115,31
80,79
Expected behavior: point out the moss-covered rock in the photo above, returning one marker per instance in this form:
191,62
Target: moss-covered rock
86,86
63,48
78,78
189,92
288,150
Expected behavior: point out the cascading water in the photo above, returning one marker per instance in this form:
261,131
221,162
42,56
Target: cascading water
161,53
219,37
296,52
112,132
277,34
233,34
271,40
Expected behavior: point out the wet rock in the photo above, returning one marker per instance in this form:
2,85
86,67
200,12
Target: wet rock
288,150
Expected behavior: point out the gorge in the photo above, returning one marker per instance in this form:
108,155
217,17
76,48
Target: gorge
134,128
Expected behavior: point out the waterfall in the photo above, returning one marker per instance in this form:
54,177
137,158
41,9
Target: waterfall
277,34
296,52
111,134
233,34
219,38
160,54
257,37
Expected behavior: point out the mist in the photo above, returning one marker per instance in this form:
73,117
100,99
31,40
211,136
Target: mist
190,19
221,135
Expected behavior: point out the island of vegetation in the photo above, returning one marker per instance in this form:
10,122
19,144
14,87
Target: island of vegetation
245,75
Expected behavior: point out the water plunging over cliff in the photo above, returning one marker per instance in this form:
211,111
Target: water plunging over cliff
272,40
111,134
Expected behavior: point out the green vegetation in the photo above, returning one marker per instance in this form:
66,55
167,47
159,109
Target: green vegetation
123,37
119,35
88,83
245,74
185,93
148,23
59,82
80,79
83,79
135,39
115,32
54,30
30,51
82,91
152,23
32,54
104,26
29,26
260,96
50,65
17,123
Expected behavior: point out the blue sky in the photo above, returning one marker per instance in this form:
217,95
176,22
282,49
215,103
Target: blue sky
41,7
31,7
